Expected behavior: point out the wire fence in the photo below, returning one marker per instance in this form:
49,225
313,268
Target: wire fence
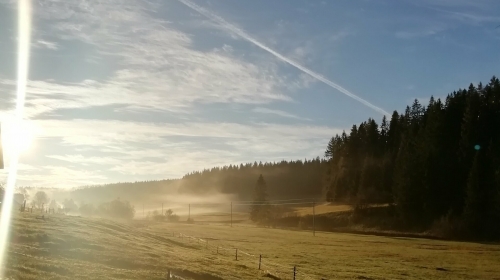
226,213
265,266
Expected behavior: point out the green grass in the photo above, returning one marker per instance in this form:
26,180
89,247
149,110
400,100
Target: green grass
67,247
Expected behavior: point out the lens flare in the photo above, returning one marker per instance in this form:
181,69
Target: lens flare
24,31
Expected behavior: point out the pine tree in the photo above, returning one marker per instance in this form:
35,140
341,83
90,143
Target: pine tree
330,149
259,206
481,212
408,191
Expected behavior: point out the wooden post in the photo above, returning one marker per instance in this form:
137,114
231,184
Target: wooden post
314,215
168,275
260,260
231,214
294,272
236,253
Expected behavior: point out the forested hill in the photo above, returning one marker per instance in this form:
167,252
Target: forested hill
434,161
285,179
132,191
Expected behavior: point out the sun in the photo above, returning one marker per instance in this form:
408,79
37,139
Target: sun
17,136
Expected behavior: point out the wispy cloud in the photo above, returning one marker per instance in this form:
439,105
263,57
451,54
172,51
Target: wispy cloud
80,159
158,69
46,45
465,11
280,113
163,150
235,30
155,60
419,33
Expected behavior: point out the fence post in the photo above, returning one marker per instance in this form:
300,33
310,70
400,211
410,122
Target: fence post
168,275
236,253
294,272
260,260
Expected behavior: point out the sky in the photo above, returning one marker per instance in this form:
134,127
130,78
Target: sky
124,90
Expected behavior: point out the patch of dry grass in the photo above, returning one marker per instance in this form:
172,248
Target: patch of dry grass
323,208
65,247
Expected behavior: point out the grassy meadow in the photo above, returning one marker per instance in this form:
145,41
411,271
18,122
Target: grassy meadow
72,247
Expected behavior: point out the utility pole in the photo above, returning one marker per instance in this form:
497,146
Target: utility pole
231,214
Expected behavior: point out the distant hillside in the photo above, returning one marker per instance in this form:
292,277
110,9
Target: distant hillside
133,191
284,179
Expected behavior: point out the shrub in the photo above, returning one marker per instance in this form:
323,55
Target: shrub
69,206
156,216
449,226
173,218
117,209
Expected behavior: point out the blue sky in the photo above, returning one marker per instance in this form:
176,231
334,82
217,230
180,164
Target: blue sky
124,90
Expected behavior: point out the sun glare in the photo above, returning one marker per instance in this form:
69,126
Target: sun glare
17,136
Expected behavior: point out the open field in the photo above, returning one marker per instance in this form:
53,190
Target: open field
322,209
68,247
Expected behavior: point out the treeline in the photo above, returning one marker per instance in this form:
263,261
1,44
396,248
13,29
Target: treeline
115,208
438,163
285,179
300,178
132,191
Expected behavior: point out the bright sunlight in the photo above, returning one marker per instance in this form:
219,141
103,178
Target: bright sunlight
17,135
19,138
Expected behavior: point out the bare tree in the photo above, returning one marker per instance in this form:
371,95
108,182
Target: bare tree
40,199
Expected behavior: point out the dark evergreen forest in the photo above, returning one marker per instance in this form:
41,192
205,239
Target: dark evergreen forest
285,179
440,161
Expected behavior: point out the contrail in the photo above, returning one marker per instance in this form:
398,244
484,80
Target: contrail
230,27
